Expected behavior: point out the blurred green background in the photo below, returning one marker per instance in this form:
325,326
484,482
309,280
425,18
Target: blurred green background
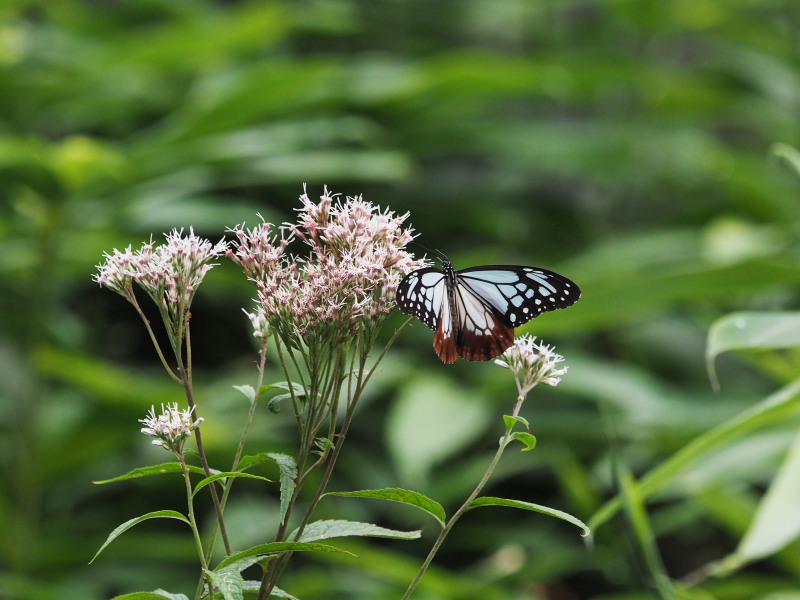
630,145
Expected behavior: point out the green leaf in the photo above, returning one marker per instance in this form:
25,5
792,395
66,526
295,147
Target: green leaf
492,501
204,482
323,530
432,420
278,548
159,514
254,586
247,390
529,440
751,330
789,154
296,390
170,467
643,532
512,421
777,520
408,497
229,582
154,595
288,471
779,406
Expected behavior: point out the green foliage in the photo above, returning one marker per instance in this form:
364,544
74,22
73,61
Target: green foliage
645,149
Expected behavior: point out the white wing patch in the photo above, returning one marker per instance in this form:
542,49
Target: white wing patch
423,294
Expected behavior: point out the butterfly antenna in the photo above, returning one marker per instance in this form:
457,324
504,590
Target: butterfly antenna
438,253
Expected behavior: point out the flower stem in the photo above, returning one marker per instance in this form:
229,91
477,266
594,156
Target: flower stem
457,515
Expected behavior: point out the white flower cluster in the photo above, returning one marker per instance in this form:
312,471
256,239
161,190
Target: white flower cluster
532,363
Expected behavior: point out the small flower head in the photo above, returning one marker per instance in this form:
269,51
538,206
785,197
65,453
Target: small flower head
532,363
171,428
169,273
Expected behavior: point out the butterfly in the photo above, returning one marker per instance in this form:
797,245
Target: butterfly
473,312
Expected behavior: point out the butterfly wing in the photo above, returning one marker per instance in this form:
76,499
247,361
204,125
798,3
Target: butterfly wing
423,294
481,332
518,294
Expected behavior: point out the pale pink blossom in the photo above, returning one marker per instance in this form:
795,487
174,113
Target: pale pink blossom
170,428
532,363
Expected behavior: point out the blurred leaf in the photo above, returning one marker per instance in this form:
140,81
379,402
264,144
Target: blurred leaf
777,407
409,497
159,514
545,510
751,330
777,520
634,505
431,420
336,528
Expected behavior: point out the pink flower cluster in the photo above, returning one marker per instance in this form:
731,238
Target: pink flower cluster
171,428
348,278
169,273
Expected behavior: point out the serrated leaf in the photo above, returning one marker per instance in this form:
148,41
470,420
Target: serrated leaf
154,595
743,330
334,528
403,496
512,421
170,467
528,439
278,548
247,390
159,514
288,470
229,582
204,482
545,510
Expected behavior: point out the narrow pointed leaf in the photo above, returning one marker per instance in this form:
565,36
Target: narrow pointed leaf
545,510
170,467
277,548
408,497
288,471
204,482
324,530
155,595
159,514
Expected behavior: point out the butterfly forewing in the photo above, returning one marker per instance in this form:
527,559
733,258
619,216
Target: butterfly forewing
423,293
519,294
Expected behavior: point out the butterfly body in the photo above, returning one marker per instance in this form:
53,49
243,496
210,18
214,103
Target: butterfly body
473,312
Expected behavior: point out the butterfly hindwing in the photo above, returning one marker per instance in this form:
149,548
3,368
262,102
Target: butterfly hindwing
482,335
